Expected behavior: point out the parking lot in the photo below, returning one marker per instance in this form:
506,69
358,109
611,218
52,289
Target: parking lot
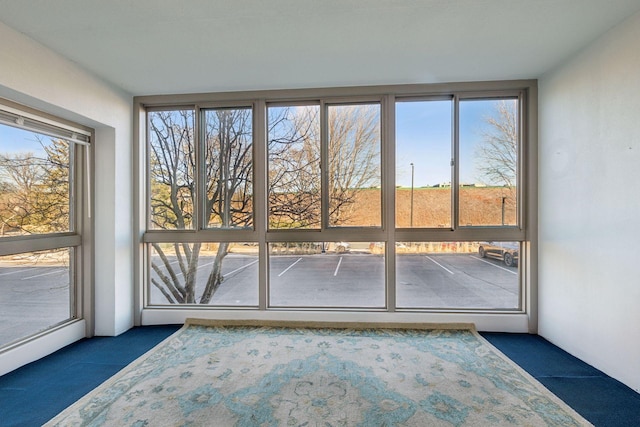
34,298
463,281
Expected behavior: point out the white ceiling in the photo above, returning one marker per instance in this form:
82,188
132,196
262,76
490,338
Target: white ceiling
181,46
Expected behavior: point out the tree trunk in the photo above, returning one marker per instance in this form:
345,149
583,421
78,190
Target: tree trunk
215,277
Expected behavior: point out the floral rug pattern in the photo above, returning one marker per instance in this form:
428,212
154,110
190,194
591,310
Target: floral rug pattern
267,376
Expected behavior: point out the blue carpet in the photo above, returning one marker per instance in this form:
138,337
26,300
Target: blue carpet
594,395
37,392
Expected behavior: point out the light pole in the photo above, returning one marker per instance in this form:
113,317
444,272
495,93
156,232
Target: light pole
411,210
503,199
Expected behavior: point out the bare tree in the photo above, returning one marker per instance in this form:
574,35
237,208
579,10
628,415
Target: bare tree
172,169
227,200
229,178
294,167
294,180
497,158
354,157
498,152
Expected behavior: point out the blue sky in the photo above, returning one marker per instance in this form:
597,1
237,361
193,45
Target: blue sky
14,140
423,137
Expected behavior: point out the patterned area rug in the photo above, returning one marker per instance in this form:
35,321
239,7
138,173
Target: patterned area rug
292,376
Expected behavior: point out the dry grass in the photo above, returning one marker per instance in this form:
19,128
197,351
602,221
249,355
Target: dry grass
432,207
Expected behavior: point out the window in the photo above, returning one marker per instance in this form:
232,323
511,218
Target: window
228,167
294,167
480,154
172,163
383,202
326,274
343,139
458,275
224,274
423,164
41,221
489,142
354,164
199,184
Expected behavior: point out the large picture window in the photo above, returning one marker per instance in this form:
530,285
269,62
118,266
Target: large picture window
311,202
199,182
41,222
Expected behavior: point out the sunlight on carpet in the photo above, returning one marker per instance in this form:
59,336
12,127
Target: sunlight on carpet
295,375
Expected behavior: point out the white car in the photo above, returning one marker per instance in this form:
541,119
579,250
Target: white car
341,247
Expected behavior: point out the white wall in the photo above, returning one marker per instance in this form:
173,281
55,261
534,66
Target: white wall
37,77
589,204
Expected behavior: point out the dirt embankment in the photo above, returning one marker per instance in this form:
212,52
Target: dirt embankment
479,206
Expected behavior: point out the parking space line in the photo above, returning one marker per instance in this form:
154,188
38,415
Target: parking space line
439,265
43,274
241,268
335,273
287,269
496,266
14,272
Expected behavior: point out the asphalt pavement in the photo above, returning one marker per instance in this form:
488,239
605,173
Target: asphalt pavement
357,280
33,299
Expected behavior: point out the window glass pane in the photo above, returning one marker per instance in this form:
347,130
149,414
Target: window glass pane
326,274
34,183
488,162
35,293
354,165
450,275
294,167
172,168
229,167
423,164
223,274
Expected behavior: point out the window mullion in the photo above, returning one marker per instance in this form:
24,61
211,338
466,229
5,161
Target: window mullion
324,164
388,148
260,196
200,200
521,195
455,164
74,198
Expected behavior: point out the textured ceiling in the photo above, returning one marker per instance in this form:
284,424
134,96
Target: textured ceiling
181,46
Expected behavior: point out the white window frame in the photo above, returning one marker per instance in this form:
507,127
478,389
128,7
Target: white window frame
522,320
80,322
